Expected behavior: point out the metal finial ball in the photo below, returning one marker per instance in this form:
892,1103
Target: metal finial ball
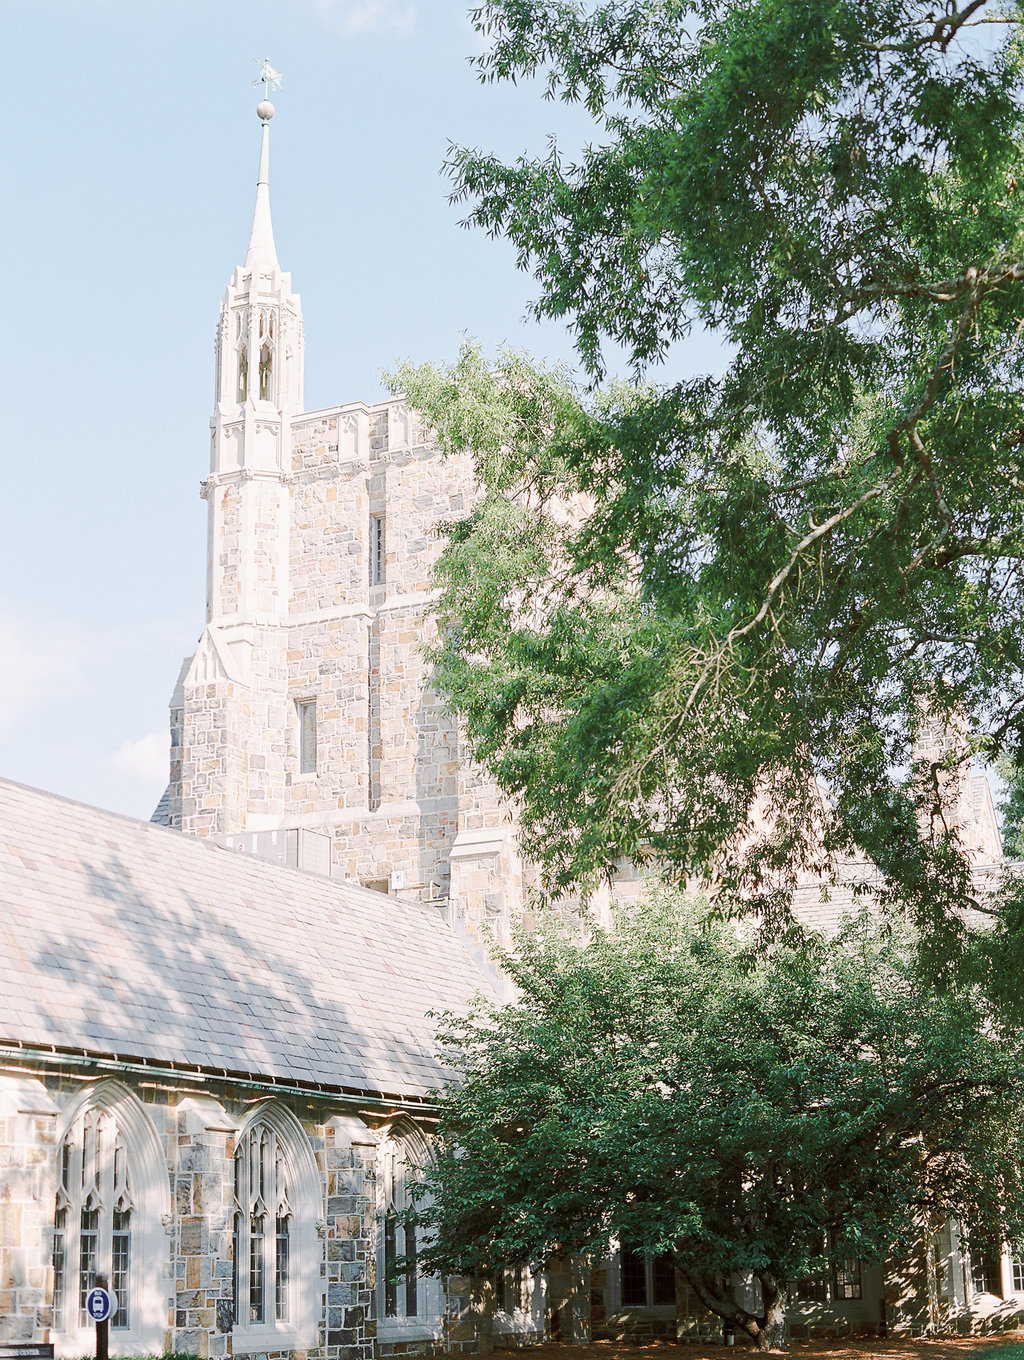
265,110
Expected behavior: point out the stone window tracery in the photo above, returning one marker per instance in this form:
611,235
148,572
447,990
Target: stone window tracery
93,1196
266,373
407,1299
262,1229
275,1249
243,372
112,1188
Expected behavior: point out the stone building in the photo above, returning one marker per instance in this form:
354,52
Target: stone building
307,707
216,1072
305,726
215,1085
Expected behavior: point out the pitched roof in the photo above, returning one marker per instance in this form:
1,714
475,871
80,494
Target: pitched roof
127,938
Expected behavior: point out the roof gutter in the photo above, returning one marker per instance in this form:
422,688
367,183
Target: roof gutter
51,1056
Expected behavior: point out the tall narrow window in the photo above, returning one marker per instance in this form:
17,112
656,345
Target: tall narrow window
109,1155
405,1296
391,1261
411,1272
377,550
59,1261
282,1217
88,1237
633,1278
306,711
121,1239
243,372
266,1277
120,1275
281,1269
266,373
257,1271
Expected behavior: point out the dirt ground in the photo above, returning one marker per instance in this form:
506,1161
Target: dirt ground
865,1348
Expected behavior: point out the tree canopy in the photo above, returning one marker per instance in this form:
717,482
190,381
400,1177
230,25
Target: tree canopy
654,1089
705,620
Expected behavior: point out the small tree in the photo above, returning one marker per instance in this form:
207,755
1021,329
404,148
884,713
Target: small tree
657,1087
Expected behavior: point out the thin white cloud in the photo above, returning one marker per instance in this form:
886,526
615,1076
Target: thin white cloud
37,666
145,761
372,16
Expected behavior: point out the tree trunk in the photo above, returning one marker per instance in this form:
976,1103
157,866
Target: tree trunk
717,1297
486,1304
774,1333
579,1303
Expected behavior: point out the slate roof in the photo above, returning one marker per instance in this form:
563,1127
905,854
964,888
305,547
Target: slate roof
126,938
162,811
823,907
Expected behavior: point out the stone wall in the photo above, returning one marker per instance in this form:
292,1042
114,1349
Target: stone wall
28,1121
390,782
184,1250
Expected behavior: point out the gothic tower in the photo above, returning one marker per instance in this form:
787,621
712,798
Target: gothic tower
305,723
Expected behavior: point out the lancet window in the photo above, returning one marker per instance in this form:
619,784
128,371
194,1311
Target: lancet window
93,1228
400,1289
267,329
243,372
263,1230
266,373
407,1299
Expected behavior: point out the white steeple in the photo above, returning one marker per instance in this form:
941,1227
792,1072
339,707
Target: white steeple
262,253
259,389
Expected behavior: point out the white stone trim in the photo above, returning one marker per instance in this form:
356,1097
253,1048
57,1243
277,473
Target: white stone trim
307,1251
151,1194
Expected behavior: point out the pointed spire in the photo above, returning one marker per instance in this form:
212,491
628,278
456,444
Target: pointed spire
262,252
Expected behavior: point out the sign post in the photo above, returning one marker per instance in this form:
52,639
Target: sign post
101,1305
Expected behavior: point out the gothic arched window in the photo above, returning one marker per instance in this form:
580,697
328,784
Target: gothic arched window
262,1229
112,1186
276,1204
408,1301
266,373
94,1197
243,372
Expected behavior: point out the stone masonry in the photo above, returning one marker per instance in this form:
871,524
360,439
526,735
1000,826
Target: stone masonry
322,531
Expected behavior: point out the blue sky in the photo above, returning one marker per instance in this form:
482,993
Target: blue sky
128,176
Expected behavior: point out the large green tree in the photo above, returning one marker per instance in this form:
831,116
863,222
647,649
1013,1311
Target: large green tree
705,621
655,1089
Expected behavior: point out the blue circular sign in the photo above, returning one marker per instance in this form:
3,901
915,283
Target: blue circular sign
100,1304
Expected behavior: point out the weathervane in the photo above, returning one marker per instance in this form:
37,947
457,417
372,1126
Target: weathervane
270,80
268,77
